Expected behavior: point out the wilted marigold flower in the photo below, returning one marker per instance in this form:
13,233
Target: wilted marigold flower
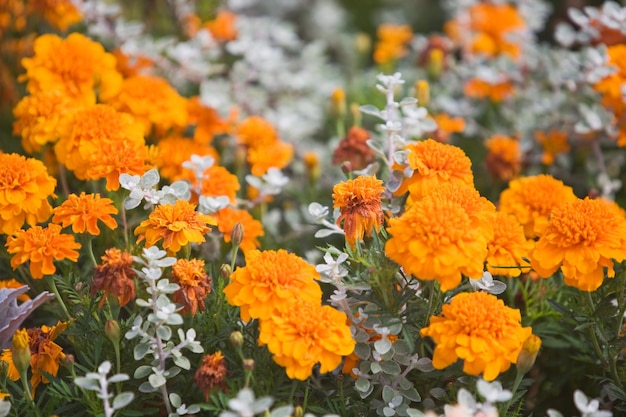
115,275
228,217
194,283
24,190
479,329
177,224
45,354
582,237
509,247
83,212
531,199
392,42
41,247
211,373
553,143
354,149
74,66
269,281
504,158
304,334
434,164
359,201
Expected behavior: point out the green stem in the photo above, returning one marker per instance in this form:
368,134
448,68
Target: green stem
306,394
89,246
233,255
518,380
26,386
621,303
55,290
125,225
118,364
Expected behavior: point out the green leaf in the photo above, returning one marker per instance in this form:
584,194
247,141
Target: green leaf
156,380
391,368
122,399
140,351
362,384
142,372
175,400
284,411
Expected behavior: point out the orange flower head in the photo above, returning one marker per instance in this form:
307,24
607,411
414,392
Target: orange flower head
41,247
582,238
207,121
174,150
433,164
269,281
75,66
553,143
115,275
218,181
24,190
493,24
531,199
354,149
130,65
277,155
211,373
37,117
223,27
437,239
446,126
392,42
479,329
504,158
304,334
228,217
359,201
509,247
152,101
13,283
194,283
83,212
118,157
177,224
61,14
496,91
256,132
611,86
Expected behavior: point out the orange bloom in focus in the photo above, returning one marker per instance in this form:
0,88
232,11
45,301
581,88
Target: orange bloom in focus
361,208
553,143
41,247
433,164
37,118
83,213
269,281
174,150
304,334
194,283
582,238
504,159
45,354
223,27
532,199
24,190
392,42
228,217
493,25
496,91
152,101
74,66
115,275
438,238
508,248
118,157
13,283
61,14
354,149
479,329
218,181
177,224
446,126
211,373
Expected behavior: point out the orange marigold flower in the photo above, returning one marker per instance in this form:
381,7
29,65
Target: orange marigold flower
131,65
115,275
177,224
354,149
223,27
173,151
611,86
83,213
152,101
45,354
269,281
446,126
553,143
504,158
61,14
228,217
436,239
116,158
75,66
24,190
392,42
218,181
496,91
433,164
277,155
207,121
41,247
509,247
84,133
256,132
479,329
211,373
361,208
304,334
582,238
194,283
531,199
37,118
13,283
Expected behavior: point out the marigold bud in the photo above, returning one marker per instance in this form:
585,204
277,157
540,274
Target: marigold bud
112,331
435,62
225,271
20,351
248,364
528,354
298,411
422,90
236,235
68,360
312,164
338,100
236,338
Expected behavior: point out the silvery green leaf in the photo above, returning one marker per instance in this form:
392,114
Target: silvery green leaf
172,372
149,179
142,372
13,315
122,399
262,404
553,413
412,412
362,350
156,380
371,110
412,395
175,400
322,233
143,303
389,412
118,378
403,383
438,393
424,365
87,383
140,351
5,408
193,409
146,387
362,384
284,411
390,368
382,346
195,347
375,367
129,182
174,319
388,393
183,362
104,368
164,332
131,203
